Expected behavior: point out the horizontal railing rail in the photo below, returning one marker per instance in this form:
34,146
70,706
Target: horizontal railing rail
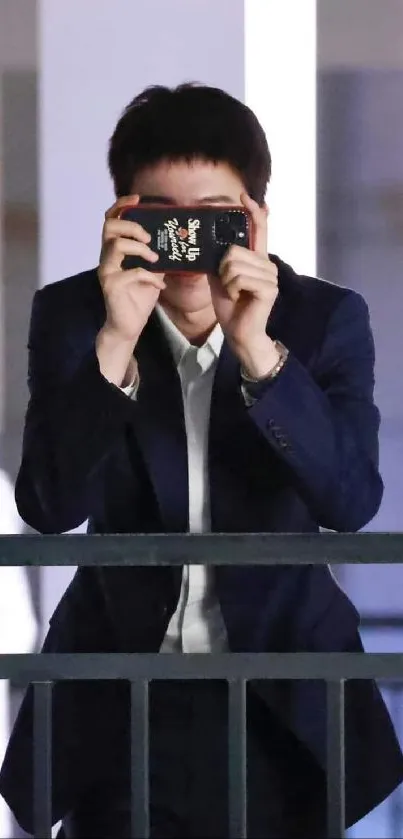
43,670
326,666
208,548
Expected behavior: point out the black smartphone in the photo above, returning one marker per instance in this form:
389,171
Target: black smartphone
189,239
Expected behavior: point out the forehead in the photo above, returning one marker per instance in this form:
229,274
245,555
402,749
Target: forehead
183,182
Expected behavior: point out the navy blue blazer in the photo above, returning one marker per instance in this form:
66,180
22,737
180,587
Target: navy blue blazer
304,456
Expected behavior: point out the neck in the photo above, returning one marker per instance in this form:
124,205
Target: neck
195,326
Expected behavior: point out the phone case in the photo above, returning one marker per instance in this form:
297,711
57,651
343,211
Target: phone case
189,239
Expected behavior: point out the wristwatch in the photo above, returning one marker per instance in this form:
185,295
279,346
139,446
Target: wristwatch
251,388
283,355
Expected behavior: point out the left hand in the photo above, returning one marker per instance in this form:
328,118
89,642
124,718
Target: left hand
243,296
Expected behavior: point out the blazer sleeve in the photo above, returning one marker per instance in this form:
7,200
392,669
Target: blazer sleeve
323,422
73,418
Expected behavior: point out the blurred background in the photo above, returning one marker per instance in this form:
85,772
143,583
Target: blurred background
326,80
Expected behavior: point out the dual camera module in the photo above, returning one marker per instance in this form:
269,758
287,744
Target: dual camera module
231,228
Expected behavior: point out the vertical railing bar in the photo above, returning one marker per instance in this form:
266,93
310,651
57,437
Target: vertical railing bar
139,740
335,760
237,765
42,759
396,801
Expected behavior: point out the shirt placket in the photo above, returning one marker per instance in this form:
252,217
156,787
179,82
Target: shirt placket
194,575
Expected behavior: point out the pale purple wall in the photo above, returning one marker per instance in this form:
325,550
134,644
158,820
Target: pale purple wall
93,58
361,246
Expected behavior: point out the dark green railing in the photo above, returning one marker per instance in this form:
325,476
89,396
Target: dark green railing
237,668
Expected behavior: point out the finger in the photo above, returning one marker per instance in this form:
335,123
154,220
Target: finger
248,259
257,272
115,250
135,276
115,228
237,269
258,288
259,219
143,278
125,201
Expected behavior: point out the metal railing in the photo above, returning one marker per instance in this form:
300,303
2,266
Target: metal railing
237,668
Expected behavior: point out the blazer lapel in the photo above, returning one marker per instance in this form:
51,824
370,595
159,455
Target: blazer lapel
229,421
280,326
159,424
160,427
235,454
291,317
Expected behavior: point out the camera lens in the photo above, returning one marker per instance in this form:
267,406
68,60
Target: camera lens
225,234
230,228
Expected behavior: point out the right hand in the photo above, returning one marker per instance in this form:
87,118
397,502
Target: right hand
130,296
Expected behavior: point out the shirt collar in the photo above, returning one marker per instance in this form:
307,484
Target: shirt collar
179,345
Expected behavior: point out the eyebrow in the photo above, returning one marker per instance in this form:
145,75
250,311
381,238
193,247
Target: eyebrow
208,199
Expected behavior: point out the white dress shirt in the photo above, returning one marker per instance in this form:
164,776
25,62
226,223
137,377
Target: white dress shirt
197,625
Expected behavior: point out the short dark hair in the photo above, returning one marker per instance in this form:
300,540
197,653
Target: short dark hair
189,122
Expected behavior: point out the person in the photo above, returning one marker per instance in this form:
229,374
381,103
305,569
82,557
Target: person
241,402
18,627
